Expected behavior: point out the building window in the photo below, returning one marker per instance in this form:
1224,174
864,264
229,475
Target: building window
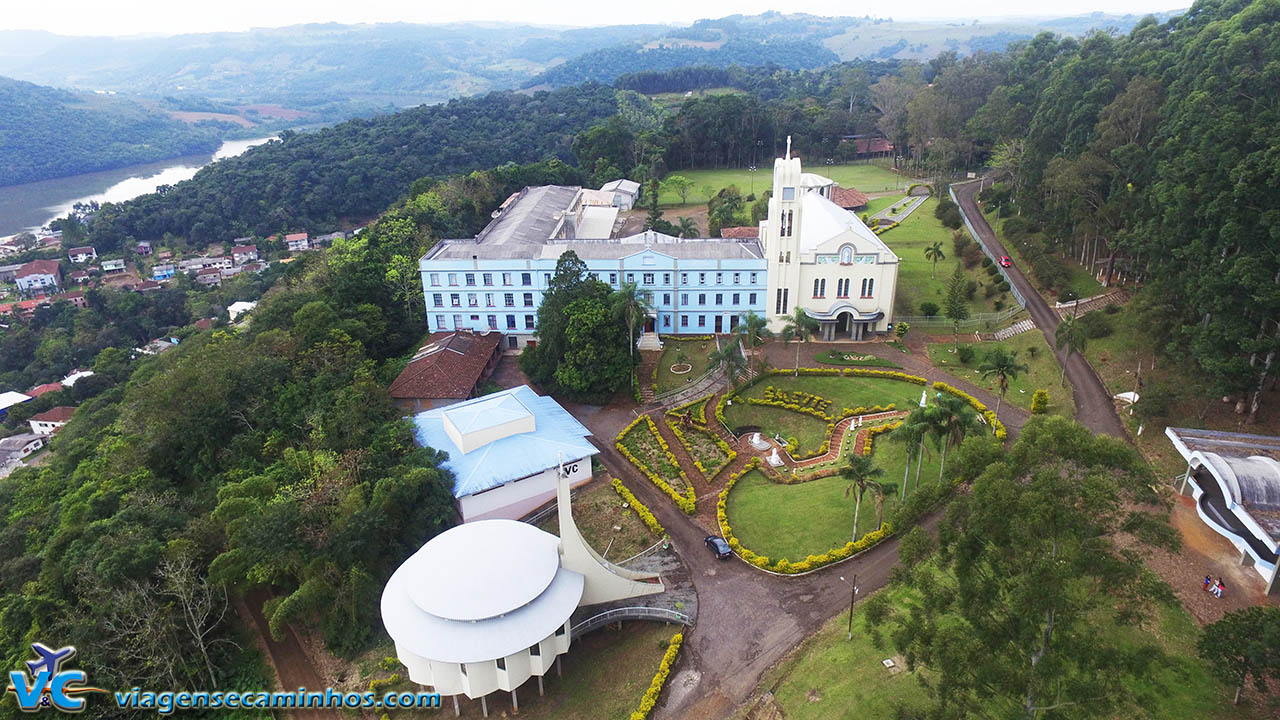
455,300
440,322
631,277
780,306
528,322
684,321
735,298
535,651
647,278
751,298
526,278
684,278
437,299
457,322
719,278
666,321
471,279
846,255
788,193
702,321
528,299
684,298
613,278
511,322
788,257
488,299
546,279
820,288
719,298
666,278
453,278
666,298
842,288
493,321
737,278
506,278
502,663
472,300
702,278
702,298
487,278
868,287
435,279
509,299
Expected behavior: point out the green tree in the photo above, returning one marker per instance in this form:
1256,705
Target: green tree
731,360
934,254
570,282
910,434
798,329
949,420
654,217
1072,336
1003,365
860,470
1040,402
631,306
955,306
594,366
688,227
678,185
1244,644
1028,569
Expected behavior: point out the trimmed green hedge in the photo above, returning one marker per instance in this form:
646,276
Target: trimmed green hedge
650,698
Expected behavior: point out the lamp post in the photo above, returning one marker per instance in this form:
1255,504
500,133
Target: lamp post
752,170
853,595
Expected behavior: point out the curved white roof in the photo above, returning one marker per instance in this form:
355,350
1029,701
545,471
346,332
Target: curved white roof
824,220
481,570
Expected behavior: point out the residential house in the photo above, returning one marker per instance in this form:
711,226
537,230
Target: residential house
236,309
80,277
51,421
163,271
157,346
76,298
626,193
164,255
46,388
850,198
16,448
204,324
253,267
10,398
741,232
147,286
82,254
9,247
115,265
244,253
76,376
50,241
143,247
221,262
869,146
191,265
328,239
38,276
242,241
209,277
297,241
231,271
449,368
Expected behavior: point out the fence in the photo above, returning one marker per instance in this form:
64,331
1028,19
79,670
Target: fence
1017,294
975,321
628,613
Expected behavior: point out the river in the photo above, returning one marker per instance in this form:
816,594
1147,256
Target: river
31,206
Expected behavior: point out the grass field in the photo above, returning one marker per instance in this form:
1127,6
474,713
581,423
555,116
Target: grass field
865,177
810,518
875,205
671,101
597,510
696,353
918,281
841,391
831,677
1044,370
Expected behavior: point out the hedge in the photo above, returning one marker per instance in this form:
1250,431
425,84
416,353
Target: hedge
976,404
688,501
785,566
685,338
641,509
697,407
1040,401
650,698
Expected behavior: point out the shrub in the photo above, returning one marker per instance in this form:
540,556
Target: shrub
929,308
650,698
998,305
1040,402
1019,227
990,266
965,353
642,511
1097,324
970,289
1004,286
1111,309
960,241
948,212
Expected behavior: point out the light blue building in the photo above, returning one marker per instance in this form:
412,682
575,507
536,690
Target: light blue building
495,280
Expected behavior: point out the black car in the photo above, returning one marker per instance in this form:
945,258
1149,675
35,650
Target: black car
718,546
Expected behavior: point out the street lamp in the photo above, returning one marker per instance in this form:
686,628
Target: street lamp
752,169
853,595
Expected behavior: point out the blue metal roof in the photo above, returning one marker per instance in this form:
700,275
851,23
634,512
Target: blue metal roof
556,434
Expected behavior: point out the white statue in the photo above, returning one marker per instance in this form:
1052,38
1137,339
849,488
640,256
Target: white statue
759,443
924,398
774,460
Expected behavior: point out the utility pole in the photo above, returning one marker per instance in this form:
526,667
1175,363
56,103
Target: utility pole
853,595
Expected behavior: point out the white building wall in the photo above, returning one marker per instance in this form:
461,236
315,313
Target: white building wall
518,498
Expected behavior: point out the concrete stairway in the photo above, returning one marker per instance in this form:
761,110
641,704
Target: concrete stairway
649,341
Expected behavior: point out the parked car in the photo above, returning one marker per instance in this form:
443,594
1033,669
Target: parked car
1005,261
718,546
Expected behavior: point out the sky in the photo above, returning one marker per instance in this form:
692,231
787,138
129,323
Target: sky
134,17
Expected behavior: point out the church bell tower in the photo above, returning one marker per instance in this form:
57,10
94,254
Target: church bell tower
781,240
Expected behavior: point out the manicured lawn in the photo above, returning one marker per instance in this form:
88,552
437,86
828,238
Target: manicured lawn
1044,370
830,676
644,445
696,353
918,281
810,518
701,446
597,510
865,177
875,205
841,391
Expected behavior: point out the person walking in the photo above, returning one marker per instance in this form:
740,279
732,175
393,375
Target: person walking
1208,581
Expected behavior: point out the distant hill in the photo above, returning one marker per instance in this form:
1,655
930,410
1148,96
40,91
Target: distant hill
48,133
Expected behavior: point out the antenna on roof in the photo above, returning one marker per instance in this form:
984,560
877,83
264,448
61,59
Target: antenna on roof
788,147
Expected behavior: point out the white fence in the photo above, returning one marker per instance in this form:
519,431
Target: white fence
978,238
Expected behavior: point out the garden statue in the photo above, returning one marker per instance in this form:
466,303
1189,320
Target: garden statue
774,460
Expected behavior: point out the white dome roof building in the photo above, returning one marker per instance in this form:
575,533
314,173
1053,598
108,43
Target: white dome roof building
486,605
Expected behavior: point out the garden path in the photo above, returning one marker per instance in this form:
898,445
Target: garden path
903,211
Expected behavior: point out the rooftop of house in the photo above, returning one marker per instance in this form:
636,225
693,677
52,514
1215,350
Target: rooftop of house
447,366
81,251
849,197
38,267
10,398
498,438
17,442
741,232
631,187
59,414
39,390
291,237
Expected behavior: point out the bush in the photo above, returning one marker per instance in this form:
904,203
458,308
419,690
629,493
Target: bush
929,309
965,353
990,266
1040,402
960,241
642,511
948,212
1004,286
650,698
1112,309
1097,324
1018,227
971,256
970,289
998,305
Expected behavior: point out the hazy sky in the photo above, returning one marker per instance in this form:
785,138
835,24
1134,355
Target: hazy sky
130,17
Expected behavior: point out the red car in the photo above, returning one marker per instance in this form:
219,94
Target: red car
1005,261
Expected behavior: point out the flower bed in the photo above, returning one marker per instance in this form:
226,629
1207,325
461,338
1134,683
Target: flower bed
642,511
704,445
697,409
814,405
644,441
650,698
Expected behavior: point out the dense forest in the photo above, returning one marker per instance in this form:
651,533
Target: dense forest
48,133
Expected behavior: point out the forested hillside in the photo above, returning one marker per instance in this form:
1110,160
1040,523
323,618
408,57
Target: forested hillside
47,133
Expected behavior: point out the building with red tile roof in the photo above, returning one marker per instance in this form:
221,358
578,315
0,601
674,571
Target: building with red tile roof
39,390
449,368
849,198
51,421
38,275
741,232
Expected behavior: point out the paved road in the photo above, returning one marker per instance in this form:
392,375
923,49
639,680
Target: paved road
1094,406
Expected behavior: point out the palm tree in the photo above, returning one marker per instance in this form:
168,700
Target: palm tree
935,254
754,329
799,326
950,419
632,306
730,359
911,435
859,472
1004,365
688,227
1070,335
